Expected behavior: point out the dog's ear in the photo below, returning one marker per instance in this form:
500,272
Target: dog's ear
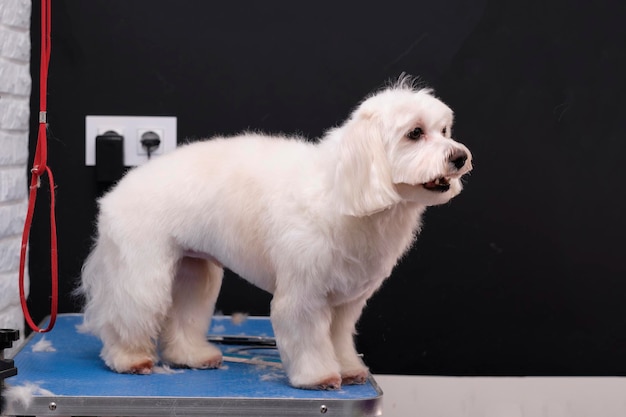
363,182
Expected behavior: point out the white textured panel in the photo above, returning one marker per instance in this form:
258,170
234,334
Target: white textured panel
15,88
13,148
15,78
9,288
13,184
15,13
10,253
15,44
12,216
14,113
11,318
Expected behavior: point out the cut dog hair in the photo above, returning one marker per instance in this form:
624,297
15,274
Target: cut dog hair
318,225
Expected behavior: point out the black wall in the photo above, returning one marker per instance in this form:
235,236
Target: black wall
522,274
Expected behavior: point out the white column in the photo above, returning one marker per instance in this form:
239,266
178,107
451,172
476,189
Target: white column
15,88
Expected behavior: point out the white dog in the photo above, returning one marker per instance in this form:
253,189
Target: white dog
318,225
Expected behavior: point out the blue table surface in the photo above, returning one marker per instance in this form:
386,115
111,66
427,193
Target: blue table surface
75,369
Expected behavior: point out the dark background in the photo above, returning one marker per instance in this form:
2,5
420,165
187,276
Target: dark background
522,274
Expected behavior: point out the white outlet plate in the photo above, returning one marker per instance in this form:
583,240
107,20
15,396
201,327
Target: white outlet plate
131,127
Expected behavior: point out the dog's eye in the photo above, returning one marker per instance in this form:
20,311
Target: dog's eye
444,131
415,133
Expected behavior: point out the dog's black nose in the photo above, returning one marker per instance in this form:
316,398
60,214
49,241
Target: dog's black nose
458,159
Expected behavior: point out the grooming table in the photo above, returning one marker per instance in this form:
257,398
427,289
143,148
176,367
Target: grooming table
68,378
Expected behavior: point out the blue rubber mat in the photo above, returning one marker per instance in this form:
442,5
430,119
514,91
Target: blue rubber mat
74,369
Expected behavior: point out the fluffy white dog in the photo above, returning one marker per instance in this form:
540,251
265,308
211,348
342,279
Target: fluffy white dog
318,225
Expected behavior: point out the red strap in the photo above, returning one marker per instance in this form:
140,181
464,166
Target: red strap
40,167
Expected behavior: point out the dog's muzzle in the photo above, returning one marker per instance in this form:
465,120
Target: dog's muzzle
457,159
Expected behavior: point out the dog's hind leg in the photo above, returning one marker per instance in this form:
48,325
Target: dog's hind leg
133,355
353,370
194,293
128,291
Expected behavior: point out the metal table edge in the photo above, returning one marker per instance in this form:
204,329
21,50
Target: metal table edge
53,405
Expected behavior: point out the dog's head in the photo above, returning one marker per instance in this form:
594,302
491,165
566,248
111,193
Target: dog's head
395,147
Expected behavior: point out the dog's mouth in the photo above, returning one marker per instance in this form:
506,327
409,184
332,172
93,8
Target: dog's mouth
441,184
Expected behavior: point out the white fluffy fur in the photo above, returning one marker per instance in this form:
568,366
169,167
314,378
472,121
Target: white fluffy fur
23,396
43,345
318,225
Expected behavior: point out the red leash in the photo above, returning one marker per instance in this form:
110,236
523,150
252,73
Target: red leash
40,168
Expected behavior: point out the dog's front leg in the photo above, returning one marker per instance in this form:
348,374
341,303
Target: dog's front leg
302,325
343,329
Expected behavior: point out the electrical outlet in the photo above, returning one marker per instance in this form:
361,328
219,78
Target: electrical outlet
141,150
132,128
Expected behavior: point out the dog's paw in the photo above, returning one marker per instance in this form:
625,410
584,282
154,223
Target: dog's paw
142,368
206,356
212,363
329,383
357,377
126,362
